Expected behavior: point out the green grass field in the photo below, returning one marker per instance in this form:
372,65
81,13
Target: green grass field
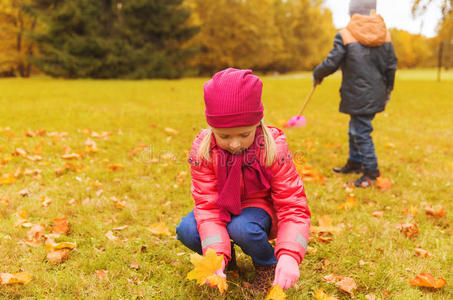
414,143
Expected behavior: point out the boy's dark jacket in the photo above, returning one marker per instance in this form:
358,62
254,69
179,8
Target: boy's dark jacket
364,51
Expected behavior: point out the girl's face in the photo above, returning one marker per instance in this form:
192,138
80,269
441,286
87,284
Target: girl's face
235,139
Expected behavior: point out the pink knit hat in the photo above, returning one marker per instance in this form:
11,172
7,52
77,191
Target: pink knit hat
233,98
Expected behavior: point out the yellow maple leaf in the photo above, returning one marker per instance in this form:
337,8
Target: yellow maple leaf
276,293
320,295
205,266
219,282
51,245
159,229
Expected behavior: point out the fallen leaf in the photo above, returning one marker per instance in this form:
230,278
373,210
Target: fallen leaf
349,203
205,266
111,236
427,280
370,297
171,131
22,219
51,245
71,156
378,214
325,226
276,293
383,183
320,295
219,282
436,212
423,253
118,203
324,239
159,229
120,228
45,202
19,152
332,278
58,256
102,274
34,235
20,277
60,225
412,210
410,230
115,167
347,285
134,266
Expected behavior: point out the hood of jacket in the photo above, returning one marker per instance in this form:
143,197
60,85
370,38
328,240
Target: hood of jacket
369,31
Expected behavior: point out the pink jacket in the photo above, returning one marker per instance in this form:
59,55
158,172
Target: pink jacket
285,201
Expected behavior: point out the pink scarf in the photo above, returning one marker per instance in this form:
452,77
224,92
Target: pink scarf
230,168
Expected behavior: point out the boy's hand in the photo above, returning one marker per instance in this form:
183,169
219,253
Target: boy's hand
316,81
286,272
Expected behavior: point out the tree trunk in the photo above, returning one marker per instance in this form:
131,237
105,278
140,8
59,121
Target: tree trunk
439,60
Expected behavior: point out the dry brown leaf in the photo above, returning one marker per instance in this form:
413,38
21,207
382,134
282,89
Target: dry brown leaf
119,203
19,152
102,274
58,256
347,285
276,293
423,253
321,295
383,183
34,235
71,156
412,210
436,212
410,230
159,229
427,280
22,219
20,277
349,203
332,278
324,239
115,167
135,266
378,214
60,225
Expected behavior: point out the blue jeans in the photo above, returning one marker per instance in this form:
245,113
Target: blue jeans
249,230
361,147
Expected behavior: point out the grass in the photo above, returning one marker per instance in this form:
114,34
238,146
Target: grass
414,142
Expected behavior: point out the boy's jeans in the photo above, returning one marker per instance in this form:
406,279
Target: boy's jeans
361,147
249,231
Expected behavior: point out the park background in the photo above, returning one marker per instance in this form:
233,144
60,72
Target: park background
93,157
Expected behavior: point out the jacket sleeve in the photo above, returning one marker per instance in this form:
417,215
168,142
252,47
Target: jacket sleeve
333,61
391,67
213,232
288,195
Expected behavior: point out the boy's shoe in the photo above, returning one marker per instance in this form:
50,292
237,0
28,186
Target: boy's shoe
263,279
350,167
367,179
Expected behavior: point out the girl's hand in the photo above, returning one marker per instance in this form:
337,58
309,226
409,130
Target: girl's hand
219,272
286,272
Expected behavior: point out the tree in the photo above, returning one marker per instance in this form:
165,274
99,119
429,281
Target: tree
412,50
446,30
15,46
112,38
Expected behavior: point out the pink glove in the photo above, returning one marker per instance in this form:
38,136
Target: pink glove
287,272
219,272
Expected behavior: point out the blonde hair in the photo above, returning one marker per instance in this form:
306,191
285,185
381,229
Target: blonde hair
269,145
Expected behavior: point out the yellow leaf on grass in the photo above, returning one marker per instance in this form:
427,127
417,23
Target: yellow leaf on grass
51,245
115,167
276,293
320,295
71,156
205,266
325,226
21,277
60,225
58,256
159,229
171,131
427,280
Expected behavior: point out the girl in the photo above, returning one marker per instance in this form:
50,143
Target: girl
245,185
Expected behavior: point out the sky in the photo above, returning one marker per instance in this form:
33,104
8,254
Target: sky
396,13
